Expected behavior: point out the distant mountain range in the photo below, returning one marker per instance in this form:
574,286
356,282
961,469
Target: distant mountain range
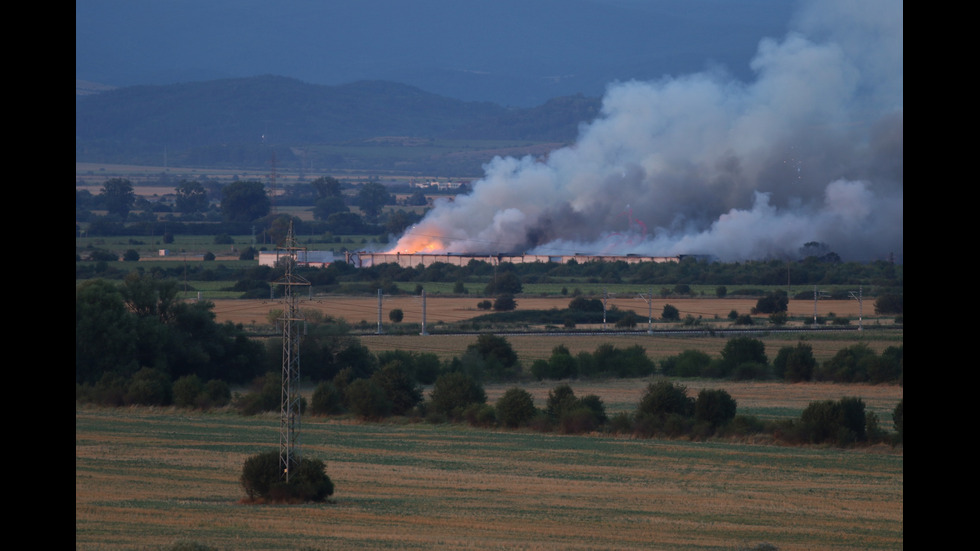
512,52
229,121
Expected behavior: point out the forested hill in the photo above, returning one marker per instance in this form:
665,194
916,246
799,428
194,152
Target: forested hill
284,112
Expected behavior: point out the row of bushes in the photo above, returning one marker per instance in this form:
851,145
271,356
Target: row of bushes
153,387
744,358
665,410
388,383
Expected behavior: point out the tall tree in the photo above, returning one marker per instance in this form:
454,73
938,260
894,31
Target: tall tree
372,198
118,196
191,197
244,201
327,187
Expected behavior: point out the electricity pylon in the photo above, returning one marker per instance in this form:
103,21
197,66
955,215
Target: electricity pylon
289,411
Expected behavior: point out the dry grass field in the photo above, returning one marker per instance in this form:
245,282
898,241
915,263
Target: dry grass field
532,347
455,309
148,478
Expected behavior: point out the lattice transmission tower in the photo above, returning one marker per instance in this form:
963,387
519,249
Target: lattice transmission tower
289,411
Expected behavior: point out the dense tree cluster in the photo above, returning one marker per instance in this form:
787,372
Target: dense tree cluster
745,358
133,340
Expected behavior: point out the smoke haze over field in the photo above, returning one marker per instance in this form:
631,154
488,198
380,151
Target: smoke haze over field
809,150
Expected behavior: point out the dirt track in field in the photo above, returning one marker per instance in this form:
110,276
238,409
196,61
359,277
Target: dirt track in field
455,309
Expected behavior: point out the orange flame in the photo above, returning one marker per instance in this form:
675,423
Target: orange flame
411,244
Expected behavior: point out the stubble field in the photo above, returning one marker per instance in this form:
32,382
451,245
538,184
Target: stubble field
531,347
454,309
146,479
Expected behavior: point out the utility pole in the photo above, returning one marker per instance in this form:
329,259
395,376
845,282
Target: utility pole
605,297
860,308
380,332
814,305
423,333
289,411
649,299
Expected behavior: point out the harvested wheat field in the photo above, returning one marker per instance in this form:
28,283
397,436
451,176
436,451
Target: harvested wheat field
148,478
763,399
455,309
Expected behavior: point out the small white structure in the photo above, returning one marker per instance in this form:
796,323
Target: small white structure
164,252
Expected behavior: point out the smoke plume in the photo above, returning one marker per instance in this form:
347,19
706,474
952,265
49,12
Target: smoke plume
809,151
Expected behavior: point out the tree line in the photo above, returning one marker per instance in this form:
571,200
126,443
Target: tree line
136,344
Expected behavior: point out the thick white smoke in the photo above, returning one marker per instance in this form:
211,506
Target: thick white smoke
811,150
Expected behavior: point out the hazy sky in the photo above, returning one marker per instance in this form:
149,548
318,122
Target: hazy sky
512,52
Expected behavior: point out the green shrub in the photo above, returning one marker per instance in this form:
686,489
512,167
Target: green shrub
664,408
504,303
217,393
776,301
744,319
743,425
795,363
748,371
367,399
480,415
149,387
401,390
689,363
848,365
186,391
260,473
262,480
594,404
453,392
889,304
841,423
621,423
740,350
580,419
326,400
265,395
715,407
515,408
628,320
540,369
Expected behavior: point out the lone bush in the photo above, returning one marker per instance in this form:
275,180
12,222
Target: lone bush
262,480
670,313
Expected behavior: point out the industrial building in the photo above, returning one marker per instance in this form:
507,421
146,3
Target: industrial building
363,259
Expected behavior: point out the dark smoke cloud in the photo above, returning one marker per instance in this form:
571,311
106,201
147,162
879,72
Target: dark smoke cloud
811,150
